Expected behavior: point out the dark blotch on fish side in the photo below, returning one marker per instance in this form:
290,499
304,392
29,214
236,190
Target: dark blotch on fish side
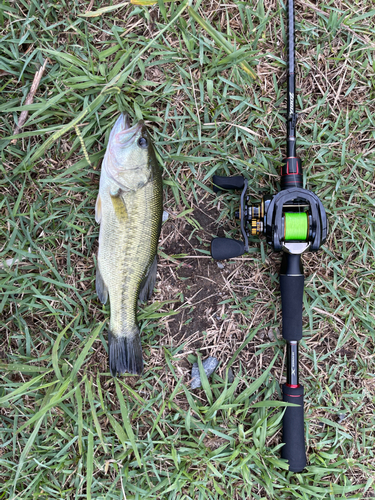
125,355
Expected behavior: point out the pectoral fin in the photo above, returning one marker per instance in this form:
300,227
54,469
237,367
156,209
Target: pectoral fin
148,283
98,209
119,206
101,287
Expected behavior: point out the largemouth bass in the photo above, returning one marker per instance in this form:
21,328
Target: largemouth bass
129,209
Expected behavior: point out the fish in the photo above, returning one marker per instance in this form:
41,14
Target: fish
129,209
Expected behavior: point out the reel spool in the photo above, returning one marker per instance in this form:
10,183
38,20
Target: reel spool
296,226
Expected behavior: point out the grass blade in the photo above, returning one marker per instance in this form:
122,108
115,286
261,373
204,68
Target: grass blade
254,386
23,389
94,415
55,360
89,462
126,422
54,401
81,358
78,396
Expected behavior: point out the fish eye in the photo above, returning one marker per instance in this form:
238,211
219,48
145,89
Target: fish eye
142,142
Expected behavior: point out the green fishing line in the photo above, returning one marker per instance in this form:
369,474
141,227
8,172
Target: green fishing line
296,226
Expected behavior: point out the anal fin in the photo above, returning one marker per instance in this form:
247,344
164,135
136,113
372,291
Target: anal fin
148,282
101,287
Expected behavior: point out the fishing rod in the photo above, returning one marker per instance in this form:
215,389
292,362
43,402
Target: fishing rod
294,221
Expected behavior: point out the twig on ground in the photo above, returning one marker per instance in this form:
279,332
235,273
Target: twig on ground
90,6
29,100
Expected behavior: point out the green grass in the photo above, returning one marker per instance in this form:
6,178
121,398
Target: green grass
68,429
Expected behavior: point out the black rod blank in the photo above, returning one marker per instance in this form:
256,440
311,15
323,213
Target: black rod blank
291,87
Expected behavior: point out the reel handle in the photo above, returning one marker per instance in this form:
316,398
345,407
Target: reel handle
226,248
220,182
293,431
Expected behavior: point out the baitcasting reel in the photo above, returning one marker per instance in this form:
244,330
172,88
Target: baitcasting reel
293,220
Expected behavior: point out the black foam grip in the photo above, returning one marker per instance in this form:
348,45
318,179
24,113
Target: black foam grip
226,248
235,182
293,430
291,288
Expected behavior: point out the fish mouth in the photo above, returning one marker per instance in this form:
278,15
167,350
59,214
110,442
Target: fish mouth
123,133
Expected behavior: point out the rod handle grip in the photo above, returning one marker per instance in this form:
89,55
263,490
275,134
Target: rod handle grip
235,182
293,429
291,288
226,248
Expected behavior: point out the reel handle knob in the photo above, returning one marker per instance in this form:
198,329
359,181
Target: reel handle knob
235,182
226,248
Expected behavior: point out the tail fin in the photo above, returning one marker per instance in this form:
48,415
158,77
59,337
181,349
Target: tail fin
125,354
